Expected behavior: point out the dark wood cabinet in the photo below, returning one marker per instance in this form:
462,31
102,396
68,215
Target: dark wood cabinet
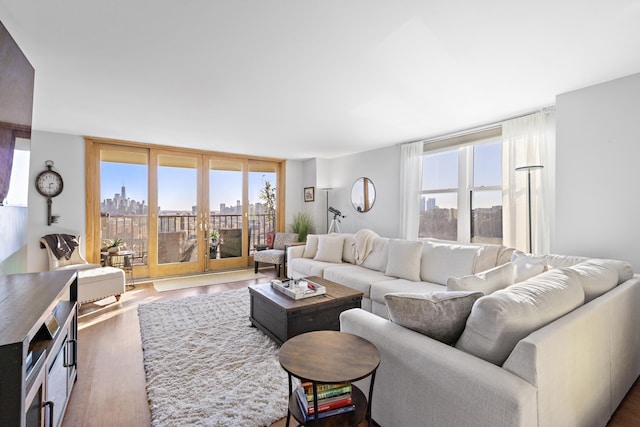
38,347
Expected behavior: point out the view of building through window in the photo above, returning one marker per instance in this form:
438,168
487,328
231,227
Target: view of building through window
124,208
461,197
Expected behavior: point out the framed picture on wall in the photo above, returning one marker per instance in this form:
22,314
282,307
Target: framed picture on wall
309,194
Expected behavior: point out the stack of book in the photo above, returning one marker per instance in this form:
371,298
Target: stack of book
333,399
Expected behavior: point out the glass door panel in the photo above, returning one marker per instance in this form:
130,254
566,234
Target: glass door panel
124,211
227,232
263,182
178,226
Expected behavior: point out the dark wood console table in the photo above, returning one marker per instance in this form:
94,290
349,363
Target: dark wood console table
38,346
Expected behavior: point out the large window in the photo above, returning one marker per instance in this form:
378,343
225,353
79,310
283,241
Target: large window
461,195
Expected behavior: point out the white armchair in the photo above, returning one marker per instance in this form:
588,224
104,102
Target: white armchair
94,281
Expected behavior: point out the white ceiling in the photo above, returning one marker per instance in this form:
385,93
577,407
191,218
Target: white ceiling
310,78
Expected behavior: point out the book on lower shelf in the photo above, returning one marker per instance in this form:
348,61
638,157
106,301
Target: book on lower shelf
325,404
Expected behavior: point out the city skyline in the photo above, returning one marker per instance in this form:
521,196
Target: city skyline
178,186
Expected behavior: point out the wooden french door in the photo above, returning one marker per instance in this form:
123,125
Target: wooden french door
179,211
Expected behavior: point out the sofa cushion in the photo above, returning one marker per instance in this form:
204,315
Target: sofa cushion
354,276
329,248
383,287
440,261
303,267
439,315
527,265
596,277
311,247
487,282
403,260
498,321
377,258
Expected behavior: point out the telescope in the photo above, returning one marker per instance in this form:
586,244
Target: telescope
336,219
336,212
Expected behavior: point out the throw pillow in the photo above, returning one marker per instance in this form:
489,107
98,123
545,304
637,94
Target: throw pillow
441,260
498,321
347,250
329,248
527,265
438,315
486,282
404,259
311,246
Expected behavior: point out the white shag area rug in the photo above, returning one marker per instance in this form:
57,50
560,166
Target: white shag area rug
163,285
206,366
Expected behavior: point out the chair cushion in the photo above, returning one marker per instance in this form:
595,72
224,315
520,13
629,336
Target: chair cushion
271,256
283,239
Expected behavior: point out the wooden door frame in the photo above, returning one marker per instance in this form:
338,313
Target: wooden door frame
93,145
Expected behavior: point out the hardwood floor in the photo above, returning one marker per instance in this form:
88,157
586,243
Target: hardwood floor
111,385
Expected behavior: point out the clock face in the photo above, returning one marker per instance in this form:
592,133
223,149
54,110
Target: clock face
49,183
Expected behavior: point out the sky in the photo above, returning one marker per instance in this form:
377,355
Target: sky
440,171
178,185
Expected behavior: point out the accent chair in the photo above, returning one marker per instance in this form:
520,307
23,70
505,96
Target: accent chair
278,254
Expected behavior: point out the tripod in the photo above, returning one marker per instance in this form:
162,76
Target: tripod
335,224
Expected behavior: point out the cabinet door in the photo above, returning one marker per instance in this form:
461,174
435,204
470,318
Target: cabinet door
34,400
57,385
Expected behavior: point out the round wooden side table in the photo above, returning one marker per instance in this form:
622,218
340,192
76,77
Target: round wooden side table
327,357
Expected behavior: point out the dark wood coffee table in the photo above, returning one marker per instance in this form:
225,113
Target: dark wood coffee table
282,317
323,357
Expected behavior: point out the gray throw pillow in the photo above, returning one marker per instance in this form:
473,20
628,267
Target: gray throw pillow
438,315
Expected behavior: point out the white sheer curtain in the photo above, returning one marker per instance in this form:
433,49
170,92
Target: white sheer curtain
528,141
410,186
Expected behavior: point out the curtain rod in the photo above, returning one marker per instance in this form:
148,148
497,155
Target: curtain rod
548,109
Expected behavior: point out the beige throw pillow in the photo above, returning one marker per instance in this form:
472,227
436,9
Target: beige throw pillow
438,315
404,259
329,248
311,247
486,282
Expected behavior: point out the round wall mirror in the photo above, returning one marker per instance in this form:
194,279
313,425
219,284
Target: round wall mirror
363,194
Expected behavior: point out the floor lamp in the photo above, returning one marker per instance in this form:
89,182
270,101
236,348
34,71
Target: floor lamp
326,208
529,169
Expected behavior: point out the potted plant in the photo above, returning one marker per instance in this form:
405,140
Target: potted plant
215,235
268,196
113,246
303,225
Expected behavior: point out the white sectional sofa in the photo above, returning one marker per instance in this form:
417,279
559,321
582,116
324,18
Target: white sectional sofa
550,340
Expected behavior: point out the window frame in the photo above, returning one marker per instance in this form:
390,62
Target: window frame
464,144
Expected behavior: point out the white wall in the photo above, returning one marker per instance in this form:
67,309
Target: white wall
598,151
67,153
382,166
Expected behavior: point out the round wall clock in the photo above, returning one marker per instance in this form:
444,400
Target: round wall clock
49,182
